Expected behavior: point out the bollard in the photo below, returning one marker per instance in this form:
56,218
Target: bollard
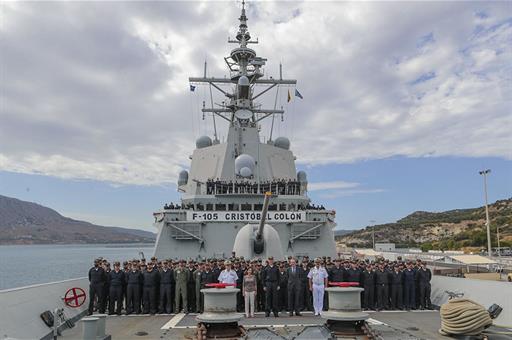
100,325
344,304
89,328
219,305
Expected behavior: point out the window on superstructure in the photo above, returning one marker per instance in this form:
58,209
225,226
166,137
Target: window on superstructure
272,207
209,206
246,207
220,207
199,207
258,207
233,207
282,206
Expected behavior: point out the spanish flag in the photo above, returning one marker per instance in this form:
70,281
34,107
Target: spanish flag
289,96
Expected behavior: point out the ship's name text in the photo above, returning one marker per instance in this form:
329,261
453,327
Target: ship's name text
229,216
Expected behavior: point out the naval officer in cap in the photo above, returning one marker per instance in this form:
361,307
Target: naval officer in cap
97,280
270,278
116,279
228,275
317,281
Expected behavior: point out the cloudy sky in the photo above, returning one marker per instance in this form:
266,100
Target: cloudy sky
403,102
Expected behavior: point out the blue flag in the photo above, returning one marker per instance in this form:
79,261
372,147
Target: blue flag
297,94
192,88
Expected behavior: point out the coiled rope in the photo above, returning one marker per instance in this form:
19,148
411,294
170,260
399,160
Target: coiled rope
463,317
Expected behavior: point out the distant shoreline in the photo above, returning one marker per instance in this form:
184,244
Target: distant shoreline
111,244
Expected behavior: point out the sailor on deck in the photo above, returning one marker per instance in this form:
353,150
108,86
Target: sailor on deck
317,281
270,278
97,280
228,275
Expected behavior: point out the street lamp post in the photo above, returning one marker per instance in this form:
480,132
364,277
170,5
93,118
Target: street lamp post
487,222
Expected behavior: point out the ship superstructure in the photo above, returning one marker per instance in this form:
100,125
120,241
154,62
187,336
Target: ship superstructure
224,189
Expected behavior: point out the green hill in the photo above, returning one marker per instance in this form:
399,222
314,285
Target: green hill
452,229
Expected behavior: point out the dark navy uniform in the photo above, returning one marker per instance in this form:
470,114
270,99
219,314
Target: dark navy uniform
368,278
191,290
97,281
353,275
381,283
116,280
216,272
283,290
270,278
151,283
207,276
133,284
166,291
106,291
307,297
239,297
336,274
397,278
424,276
409,288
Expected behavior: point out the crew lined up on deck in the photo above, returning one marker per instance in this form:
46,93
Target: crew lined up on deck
172,286
279,187
217,207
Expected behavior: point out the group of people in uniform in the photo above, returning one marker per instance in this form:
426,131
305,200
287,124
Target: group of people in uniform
173,286
278,186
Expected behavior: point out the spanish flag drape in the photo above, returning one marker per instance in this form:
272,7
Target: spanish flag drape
289,96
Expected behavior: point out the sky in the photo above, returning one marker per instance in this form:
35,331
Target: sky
403,101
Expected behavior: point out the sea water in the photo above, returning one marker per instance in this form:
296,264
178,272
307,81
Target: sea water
23,265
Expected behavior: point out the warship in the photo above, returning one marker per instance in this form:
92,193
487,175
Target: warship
241,197
222,194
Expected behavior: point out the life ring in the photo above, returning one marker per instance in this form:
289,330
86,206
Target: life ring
75,297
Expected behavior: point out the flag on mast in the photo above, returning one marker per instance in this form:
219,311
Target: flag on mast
192,88
289,96
297,94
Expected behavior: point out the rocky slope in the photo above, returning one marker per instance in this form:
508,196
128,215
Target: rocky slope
453,229
24,222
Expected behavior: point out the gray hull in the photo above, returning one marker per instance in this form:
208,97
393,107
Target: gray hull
217,239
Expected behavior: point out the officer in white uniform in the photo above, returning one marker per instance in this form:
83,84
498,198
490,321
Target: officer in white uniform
317,281
228,275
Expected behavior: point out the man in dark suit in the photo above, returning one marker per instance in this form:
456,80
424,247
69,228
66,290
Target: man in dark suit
296,277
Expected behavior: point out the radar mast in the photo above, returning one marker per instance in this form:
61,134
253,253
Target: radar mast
245,69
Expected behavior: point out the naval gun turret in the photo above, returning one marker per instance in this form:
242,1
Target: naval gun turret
259,240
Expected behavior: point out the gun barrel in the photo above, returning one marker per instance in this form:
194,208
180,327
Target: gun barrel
259,235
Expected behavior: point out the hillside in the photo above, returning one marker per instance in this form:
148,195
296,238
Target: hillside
453,229
24,222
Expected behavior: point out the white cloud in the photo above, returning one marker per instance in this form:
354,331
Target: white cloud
99,90
317,186
349,192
